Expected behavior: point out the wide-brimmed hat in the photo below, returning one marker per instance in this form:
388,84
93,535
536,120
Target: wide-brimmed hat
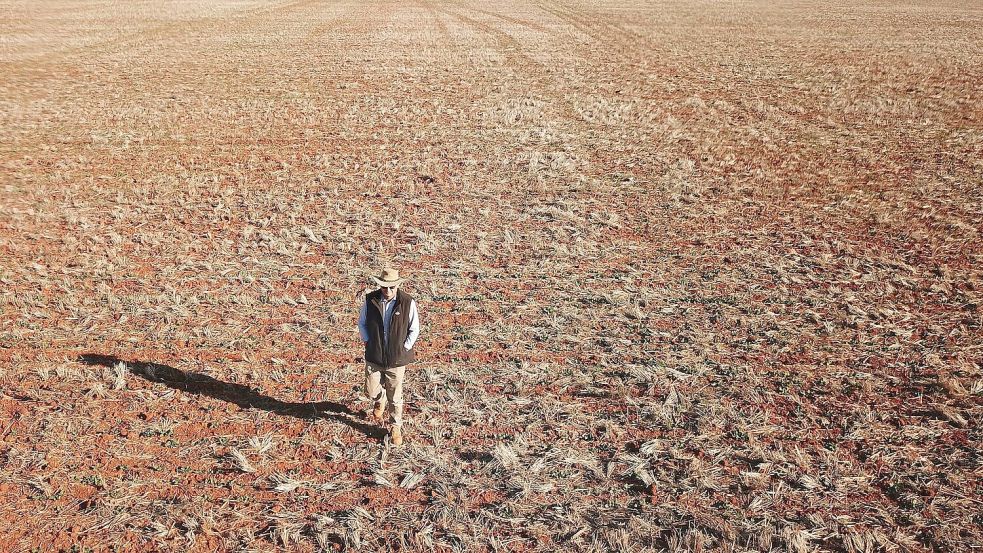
389,277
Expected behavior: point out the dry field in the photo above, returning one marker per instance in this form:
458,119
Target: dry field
693,276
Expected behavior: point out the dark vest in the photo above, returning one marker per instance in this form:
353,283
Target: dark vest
391,354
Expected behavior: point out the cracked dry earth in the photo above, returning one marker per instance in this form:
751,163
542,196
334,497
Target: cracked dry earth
693,276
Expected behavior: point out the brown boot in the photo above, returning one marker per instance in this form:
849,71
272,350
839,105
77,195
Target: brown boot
396,436
377,412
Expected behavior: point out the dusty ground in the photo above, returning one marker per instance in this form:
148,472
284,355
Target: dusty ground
693,275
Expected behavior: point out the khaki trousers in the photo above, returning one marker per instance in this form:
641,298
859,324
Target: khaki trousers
385,387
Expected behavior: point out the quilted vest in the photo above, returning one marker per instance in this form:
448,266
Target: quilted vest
391,354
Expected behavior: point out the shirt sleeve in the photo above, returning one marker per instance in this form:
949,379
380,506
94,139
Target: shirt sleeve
363,330
414,332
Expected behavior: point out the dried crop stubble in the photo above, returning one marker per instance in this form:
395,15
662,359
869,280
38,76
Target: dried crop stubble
692,276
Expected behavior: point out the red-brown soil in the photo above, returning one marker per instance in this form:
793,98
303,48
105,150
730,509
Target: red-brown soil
693,276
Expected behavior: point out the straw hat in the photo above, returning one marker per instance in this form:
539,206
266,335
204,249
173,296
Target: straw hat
389,277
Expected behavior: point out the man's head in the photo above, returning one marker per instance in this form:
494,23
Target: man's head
388,282
388,292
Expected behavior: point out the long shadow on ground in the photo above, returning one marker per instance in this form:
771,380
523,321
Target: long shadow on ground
243,396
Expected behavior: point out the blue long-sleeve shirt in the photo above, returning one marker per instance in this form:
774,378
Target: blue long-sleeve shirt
387,317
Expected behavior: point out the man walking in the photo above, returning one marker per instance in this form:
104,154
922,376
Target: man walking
389,325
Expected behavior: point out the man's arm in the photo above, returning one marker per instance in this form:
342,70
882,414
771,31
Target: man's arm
414,332
363,330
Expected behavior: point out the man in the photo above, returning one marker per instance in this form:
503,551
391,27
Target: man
389,325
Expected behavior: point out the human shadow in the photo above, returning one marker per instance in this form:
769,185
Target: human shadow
238,394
